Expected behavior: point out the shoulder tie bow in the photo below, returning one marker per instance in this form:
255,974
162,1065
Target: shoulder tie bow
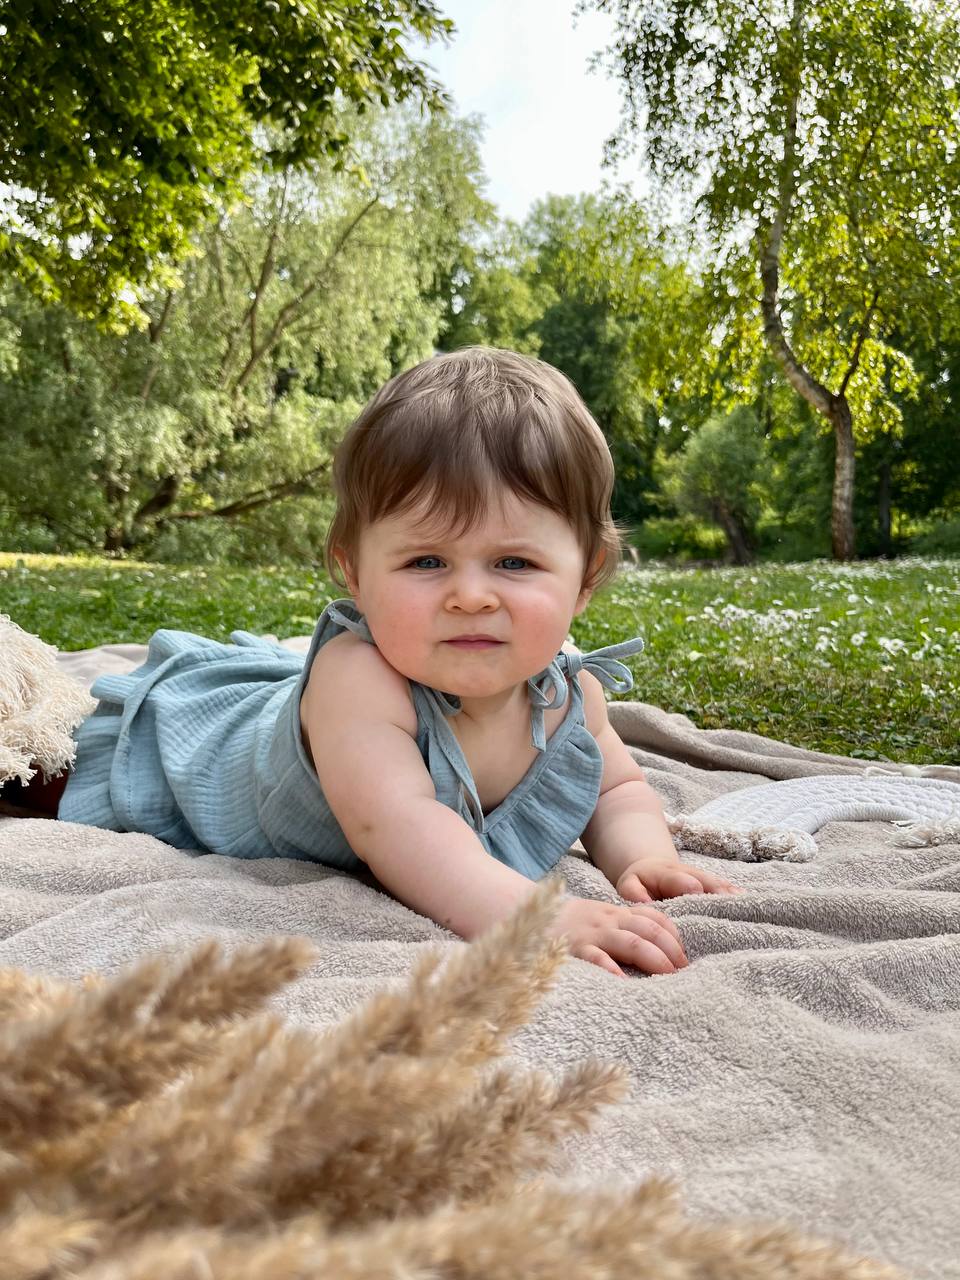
602,663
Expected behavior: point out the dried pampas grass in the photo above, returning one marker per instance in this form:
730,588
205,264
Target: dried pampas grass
165,1122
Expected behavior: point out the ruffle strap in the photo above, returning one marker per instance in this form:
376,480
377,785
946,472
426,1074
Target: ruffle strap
551,677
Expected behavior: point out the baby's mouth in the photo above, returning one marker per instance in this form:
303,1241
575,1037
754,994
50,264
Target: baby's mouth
474,642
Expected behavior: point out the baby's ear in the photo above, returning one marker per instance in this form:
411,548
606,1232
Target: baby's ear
346,568
586,592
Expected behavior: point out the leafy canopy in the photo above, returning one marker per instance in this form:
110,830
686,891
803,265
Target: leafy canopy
124,123
863,185
212,429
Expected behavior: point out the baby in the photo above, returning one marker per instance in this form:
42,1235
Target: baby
440,732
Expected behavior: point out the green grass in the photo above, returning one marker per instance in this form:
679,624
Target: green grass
857,659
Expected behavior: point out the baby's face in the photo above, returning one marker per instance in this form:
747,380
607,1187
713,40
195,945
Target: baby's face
516,577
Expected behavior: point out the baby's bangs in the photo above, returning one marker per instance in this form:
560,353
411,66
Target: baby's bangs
456,475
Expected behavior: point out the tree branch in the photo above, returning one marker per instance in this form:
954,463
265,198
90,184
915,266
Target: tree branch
259,497
797,375
234,333
289,310
162,497
156,327
862,335
268,263
218,263
156,332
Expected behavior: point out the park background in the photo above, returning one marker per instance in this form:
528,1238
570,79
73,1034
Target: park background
223,227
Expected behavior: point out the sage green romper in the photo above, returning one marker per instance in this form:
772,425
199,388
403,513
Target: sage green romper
201,747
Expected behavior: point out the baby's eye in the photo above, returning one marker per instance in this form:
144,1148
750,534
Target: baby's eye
514,563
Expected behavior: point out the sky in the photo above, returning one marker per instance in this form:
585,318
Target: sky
523,66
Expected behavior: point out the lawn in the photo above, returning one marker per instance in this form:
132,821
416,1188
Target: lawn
861,659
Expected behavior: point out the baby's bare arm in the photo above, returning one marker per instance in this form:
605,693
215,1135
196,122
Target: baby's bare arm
627,836
361,729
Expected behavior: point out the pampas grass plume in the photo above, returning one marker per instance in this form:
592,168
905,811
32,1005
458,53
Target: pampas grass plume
164,1122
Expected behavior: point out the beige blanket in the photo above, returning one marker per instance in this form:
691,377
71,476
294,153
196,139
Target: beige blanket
805,1067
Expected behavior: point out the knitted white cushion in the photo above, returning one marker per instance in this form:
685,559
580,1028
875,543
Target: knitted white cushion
806,804
777,819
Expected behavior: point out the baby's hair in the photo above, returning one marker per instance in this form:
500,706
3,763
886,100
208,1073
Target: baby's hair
460,427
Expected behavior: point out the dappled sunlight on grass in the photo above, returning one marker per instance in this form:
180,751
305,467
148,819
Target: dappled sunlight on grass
860,659
75,602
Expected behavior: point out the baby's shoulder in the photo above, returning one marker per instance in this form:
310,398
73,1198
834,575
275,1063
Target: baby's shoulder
351,676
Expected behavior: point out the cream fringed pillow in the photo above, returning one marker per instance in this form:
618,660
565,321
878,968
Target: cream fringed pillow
165,1122
39,707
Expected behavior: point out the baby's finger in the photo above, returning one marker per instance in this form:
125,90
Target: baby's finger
652,913
632,888
600,958
630,948
713,885
677,883
661,938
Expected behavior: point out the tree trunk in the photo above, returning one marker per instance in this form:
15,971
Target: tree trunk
833,406
842,533
734,532
884,522
114,534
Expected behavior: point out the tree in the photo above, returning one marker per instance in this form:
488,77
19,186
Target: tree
125,123
615,329
498,295
715,475
822,142
301,300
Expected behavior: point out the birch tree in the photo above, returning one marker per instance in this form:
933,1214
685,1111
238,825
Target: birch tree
817,142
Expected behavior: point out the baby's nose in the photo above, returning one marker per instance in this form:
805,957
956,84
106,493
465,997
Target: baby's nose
472,591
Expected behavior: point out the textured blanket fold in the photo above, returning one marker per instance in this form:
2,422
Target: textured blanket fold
805,1067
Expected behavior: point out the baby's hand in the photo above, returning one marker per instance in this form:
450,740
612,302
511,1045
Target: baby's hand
604,933
648,878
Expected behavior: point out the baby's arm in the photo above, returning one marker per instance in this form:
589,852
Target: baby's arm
627,837
360,726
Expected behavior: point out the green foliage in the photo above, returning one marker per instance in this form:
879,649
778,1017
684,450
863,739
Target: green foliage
939,539
306,296
124,123
854,659
678,540
501,309
609,328
496,294
817,144
716,474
